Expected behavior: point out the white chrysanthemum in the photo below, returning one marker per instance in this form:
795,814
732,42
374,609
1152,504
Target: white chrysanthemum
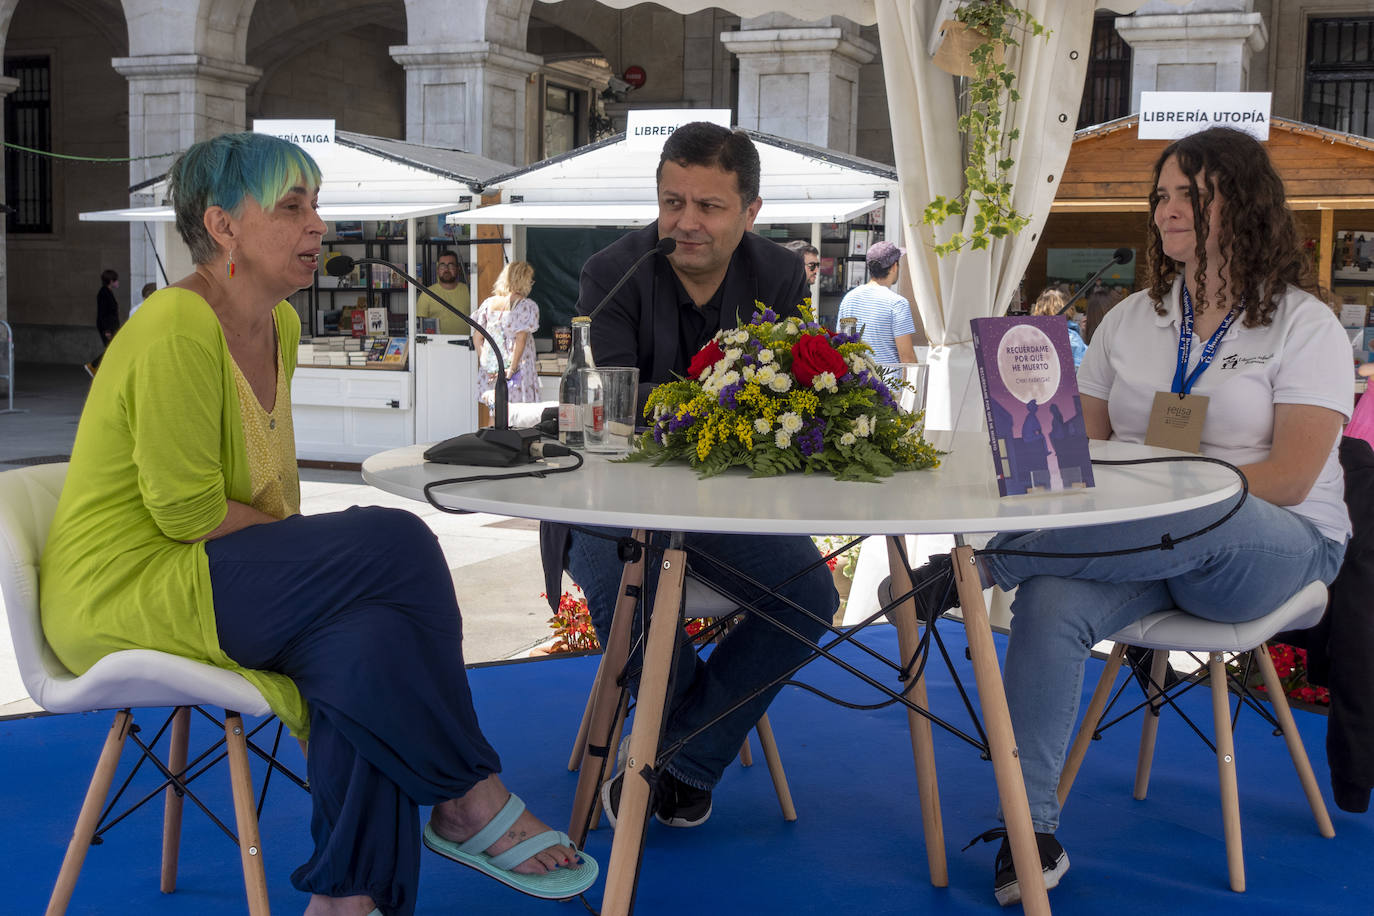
781,383
782,439
765,375
765,355
762,425
857,363
792,328
848,439
733,354
862,426
729,378
749,372
824,381
790,422
741,338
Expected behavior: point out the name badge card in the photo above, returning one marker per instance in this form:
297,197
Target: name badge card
1176,421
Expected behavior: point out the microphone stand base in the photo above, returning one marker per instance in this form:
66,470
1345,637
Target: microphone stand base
486,448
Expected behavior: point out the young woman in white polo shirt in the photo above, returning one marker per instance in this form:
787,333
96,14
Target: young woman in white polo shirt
1273,368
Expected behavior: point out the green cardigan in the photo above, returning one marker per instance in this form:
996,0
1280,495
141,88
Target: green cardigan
158,451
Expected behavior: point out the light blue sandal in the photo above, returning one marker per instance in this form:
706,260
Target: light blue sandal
559,884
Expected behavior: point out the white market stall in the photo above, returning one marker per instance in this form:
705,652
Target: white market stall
345,414
611,184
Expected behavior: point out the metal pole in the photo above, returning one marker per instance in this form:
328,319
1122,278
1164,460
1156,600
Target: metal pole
9,367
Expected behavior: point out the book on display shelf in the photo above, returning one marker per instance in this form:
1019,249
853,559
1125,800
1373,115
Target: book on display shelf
396,351
1030,395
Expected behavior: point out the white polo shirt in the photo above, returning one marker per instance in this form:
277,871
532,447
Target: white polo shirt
1301,357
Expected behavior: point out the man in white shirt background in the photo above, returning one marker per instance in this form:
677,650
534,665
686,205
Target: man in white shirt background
884,316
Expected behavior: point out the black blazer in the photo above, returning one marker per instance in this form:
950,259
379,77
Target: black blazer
639,326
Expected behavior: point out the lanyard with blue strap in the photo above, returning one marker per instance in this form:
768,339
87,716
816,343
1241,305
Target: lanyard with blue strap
1184,380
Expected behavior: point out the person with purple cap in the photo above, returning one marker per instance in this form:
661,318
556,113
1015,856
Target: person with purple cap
884,317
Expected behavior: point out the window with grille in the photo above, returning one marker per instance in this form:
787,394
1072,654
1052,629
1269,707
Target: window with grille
1339,90
561,118
28,122
1107,89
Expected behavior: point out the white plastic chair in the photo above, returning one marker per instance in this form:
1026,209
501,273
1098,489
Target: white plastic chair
121,681
1176,630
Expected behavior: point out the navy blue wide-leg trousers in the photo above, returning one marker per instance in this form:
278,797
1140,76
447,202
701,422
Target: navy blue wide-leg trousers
358,609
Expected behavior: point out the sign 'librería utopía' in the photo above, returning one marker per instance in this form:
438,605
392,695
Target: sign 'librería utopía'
1170,115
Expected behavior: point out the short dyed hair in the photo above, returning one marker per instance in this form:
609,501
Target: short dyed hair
704,143
220,171
515,282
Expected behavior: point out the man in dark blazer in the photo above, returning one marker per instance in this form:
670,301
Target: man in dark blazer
708,197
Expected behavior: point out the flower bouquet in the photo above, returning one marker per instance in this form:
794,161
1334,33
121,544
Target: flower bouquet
784,394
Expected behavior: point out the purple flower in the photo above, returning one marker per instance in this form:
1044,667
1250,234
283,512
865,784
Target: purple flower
766,315
812,438
727,395
679,423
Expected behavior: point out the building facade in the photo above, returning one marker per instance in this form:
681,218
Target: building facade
121,86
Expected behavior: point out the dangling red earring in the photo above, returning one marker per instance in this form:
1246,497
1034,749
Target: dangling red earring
229,265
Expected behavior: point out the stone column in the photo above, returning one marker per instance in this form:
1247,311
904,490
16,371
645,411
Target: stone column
1192,52
800,81
7,85
174,100
469,96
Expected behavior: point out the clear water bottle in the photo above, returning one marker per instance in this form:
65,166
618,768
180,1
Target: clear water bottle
571,397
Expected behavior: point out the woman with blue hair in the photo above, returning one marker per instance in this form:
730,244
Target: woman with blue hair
179,529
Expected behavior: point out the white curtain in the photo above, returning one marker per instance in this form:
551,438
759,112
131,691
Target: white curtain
922,109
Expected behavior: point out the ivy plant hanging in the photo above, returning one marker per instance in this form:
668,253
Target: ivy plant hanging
991,89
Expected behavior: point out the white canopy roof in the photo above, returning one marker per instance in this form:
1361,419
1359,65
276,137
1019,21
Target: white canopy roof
641,213
328,212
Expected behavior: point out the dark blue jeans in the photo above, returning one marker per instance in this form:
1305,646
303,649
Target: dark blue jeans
357,608
753,653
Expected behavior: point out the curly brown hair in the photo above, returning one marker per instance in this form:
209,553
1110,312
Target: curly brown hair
1261,255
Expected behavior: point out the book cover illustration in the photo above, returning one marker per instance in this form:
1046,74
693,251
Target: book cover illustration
1030,395
396,350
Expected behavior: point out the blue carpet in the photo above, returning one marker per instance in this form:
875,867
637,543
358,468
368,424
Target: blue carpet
856,847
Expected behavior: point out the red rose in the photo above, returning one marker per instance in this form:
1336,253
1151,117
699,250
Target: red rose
812,355
706,357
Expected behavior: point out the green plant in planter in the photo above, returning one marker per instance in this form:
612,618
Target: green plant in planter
990,90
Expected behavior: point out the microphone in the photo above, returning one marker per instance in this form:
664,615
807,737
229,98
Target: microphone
1120,256
664,247
498,447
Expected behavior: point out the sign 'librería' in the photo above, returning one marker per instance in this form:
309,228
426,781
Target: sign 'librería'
1171,115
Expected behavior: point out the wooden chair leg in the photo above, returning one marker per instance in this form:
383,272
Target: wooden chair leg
746,754
1090,720
1150,727
904,619
89,817
580,743
245,813
1294,741
607,698
1226,770
622,710
174,800
775,770
665,626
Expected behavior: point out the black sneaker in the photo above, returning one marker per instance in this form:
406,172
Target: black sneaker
1054,861
934,584
682,805
678,804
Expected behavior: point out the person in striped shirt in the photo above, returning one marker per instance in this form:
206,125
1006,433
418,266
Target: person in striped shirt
884,317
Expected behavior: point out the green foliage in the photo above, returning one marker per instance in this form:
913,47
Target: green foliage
990,91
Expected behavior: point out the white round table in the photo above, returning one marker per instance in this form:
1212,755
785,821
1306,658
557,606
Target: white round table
959,497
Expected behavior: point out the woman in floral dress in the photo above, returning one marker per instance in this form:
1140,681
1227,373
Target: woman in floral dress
512,318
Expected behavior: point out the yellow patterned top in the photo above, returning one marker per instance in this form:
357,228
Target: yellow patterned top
270,441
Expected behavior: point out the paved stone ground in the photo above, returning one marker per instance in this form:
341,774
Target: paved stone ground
494,560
